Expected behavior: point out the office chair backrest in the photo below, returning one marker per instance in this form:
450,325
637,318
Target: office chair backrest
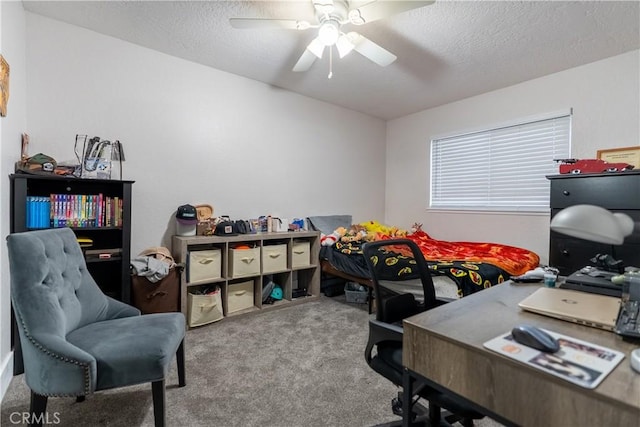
51,288
401,279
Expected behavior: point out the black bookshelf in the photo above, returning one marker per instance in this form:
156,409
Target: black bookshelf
112,274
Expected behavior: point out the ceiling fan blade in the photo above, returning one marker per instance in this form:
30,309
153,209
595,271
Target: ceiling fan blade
344,45
323,6
379,9
263,23
305,62
316,47
371,50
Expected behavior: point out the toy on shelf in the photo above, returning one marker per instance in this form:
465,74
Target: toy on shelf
576,166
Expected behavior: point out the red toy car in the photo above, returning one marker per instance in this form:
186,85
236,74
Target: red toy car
591,166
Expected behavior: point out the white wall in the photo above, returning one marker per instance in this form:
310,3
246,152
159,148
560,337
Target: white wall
193,134
12,47
605,97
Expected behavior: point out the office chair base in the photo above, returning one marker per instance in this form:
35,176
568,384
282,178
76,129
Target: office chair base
417,409
421,416
422,421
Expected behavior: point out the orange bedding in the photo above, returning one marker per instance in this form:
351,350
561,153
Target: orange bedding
513,260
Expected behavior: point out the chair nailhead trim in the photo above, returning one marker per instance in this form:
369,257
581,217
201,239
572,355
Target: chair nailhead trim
85,366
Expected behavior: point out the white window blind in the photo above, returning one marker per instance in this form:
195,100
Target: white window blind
499,169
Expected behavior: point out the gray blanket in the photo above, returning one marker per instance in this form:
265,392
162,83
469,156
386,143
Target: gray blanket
326,224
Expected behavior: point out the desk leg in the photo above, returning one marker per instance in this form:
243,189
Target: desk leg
410,378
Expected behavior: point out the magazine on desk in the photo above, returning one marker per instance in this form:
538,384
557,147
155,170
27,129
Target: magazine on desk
577,361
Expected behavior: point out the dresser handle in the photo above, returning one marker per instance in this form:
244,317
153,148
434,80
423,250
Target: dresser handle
565,252
565,192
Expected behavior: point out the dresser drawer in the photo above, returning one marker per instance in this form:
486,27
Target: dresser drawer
633,238
615,191
568,254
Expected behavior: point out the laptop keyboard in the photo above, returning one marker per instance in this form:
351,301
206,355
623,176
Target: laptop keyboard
628,323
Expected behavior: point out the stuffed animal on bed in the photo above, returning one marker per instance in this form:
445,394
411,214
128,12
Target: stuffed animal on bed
356,233
330,239
377,229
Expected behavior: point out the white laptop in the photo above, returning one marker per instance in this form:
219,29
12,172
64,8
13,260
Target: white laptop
598,311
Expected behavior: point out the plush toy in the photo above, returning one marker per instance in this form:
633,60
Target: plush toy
416,227
378,230
397,232
356,233
372,227
330,239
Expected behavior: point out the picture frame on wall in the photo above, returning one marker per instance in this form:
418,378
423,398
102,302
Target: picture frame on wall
630,155
4,86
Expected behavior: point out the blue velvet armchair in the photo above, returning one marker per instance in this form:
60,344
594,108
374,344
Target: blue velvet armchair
75,340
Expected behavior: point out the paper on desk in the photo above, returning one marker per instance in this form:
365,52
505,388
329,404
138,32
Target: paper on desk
577,361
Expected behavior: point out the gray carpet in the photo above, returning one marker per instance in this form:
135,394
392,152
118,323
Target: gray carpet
296,366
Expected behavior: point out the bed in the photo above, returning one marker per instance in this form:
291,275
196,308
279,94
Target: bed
469,266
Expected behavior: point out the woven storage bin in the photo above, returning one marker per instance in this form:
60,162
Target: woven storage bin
274,258
301,256
204,309
160,297
204,265
240,296
244,262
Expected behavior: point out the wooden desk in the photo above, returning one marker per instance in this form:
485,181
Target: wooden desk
445,345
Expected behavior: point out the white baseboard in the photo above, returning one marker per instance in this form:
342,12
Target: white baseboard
6,374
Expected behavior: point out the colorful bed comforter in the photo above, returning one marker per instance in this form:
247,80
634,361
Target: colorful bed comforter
513,260
472,266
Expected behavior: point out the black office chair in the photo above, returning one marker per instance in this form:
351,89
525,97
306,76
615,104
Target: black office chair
403,287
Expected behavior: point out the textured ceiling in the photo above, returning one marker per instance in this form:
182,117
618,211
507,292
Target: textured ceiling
446,51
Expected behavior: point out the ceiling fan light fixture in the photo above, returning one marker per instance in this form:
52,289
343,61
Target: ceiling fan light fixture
329,33
330,16
344,45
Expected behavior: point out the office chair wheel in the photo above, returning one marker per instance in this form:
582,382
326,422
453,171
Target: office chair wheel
452,419
396,406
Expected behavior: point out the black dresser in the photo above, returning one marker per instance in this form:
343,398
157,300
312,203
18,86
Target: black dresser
618,192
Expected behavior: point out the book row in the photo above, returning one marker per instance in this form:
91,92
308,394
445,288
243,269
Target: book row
74,210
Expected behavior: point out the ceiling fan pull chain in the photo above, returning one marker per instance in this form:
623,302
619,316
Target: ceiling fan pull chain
330,62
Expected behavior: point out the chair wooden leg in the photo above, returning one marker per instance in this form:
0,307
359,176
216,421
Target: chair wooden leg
182,381
37,410
157,389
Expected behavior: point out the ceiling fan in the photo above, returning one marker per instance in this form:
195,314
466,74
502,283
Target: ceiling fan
331,17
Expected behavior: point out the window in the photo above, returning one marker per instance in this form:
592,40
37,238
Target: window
499,169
